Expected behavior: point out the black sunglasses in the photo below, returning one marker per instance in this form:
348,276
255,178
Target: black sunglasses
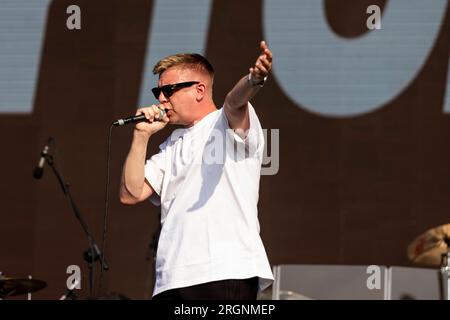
169,89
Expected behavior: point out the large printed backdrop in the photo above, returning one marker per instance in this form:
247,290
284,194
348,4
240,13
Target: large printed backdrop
349,190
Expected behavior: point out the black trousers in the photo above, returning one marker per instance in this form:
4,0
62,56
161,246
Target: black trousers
233,289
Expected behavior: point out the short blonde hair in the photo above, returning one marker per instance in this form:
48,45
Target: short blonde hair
192,61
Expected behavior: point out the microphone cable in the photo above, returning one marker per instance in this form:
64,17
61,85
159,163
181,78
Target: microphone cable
105,215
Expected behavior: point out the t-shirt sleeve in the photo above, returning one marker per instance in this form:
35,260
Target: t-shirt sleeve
154,173
254,138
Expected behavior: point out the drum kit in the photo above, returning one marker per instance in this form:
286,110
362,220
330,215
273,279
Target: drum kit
431,249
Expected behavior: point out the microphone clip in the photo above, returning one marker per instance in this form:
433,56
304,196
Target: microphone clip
44,157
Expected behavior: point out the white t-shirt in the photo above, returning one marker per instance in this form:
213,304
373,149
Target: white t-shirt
206,179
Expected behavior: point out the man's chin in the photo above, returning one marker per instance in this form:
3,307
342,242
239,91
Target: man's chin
174,120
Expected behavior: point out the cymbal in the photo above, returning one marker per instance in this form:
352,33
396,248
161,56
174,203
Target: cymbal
15,286
427,249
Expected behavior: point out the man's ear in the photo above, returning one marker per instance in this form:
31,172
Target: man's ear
201,91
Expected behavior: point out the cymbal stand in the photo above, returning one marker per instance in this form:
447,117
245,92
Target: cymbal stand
445,276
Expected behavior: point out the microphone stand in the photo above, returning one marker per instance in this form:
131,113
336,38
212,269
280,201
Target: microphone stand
93,254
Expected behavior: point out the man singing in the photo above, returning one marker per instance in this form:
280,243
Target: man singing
206,180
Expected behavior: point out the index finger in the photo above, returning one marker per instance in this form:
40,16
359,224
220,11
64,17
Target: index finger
268,54
265,50
263,45
140,110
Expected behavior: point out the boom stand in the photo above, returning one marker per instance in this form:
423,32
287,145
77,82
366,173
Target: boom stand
93,253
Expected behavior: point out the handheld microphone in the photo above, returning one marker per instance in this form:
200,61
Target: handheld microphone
39,170
138,118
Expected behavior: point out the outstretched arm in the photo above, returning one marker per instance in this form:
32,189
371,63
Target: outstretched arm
236,107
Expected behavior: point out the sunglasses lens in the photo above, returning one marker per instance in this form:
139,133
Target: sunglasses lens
156,92
167,91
